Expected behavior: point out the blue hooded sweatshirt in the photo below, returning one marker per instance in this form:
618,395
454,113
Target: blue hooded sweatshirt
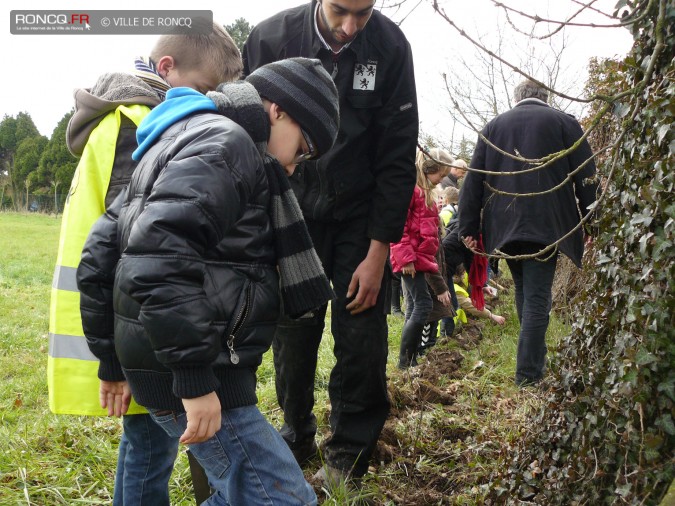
179,103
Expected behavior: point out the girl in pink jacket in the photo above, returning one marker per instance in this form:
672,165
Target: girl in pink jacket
415,254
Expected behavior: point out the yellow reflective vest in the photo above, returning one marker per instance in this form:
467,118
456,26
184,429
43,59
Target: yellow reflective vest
461,315
72,370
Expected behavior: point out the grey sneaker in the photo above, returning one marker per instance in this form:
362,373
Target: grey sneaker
333,479
331,476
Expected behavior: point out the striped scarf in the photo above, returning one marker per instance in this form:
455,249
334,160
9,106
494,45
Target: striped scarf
304,285
146,71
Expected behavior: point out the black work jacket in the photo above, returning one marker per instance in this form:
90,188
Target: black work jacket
531,130
370,171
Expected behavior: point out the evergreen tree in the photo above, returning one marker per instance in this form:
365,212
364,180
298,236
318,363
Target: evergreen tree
239,31
13,131
57,164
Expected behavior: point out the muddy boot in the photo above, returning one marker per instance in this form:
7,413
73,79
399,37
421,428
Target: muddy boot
410,339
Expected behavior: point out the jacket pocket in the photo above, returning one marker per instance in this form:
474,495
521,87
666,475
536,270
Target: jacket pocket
238,322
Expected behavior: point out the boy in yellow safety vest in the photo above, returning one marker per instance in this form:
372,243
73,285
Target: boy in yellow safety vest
461,282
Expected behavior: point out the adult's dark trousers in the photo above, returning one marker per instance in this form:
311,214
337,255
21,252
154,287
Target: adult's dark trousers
533,281
396,292
358,385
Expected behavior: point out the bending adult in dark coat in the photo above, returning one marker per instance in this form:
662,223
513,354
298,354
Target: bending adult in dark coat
527,224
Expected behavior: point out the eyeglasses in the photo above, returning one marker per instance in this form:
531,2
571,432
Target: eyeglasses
307,155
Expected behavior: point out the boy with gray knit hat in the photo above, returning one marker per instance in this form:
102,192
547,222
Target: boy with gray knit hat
209,229
102,133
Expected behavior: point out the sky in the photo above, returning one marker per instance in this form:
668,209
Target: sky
42,71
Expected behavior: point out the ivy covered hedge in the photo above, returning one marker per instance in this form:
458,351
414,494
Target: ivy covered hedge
607,435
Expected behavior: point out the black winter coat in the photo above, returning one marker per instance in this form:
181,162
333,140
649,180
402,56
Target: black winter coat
196,290
531,130
455,253
370,171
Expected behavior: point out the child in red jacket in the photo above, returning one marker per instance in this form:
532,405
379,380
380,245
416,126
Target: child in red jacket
415,254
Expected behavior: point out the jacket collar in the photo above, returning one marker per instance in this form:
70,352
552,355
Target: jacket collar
532,101
311,39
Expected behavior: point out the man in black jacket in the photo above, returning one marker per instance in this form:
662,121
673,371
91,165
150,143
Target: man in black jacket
558,194
355,200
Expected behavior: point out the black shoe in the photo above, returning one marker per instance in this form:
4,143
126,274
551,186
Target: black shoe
524,382
305,451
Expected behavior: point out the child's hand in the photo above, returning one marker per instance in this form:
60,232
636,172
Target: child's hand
499,320
409,269
203,418
444,298
116,396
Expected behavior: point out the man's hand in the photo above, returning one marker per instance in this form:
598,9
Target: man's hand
445,299
367,278
470,243
203,418
116,396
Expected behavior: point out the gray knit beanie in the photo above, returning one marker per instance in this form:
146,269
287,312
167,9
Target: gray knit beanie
302,88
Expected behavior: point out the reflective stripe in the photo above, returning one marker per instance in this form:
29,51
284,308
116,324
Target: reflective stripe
65,278
65,346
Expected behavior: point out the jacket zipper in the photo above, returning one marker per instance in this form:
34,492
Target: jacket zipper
238,325
334,58
315,208
317,202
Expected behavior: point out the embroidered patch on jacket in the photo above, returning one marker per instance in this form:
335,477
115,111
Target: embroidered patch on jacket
364,76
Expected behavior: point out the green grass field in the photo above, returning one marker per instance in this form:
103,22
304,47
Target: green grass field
48,459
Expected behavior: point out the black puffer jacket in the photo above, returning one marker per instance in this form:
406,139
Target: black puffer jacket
196,290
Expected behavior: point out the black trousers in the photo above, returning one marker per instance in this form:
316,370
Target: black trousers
358,383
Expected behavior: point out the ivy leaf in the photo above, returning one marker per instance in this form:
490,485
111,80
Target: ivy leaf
661,132
668,387
621,110
623,490
643,357
666,423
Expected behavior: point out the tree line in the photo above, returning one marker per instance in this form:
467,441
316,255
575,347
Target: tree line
32,164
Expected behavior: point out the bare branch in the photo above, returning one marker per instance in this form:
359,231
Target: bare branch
627,123
568,22
565,181
517,69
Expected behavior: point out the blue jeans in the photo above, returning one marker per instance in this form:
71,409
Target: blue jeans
144,463
246,461
533,281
